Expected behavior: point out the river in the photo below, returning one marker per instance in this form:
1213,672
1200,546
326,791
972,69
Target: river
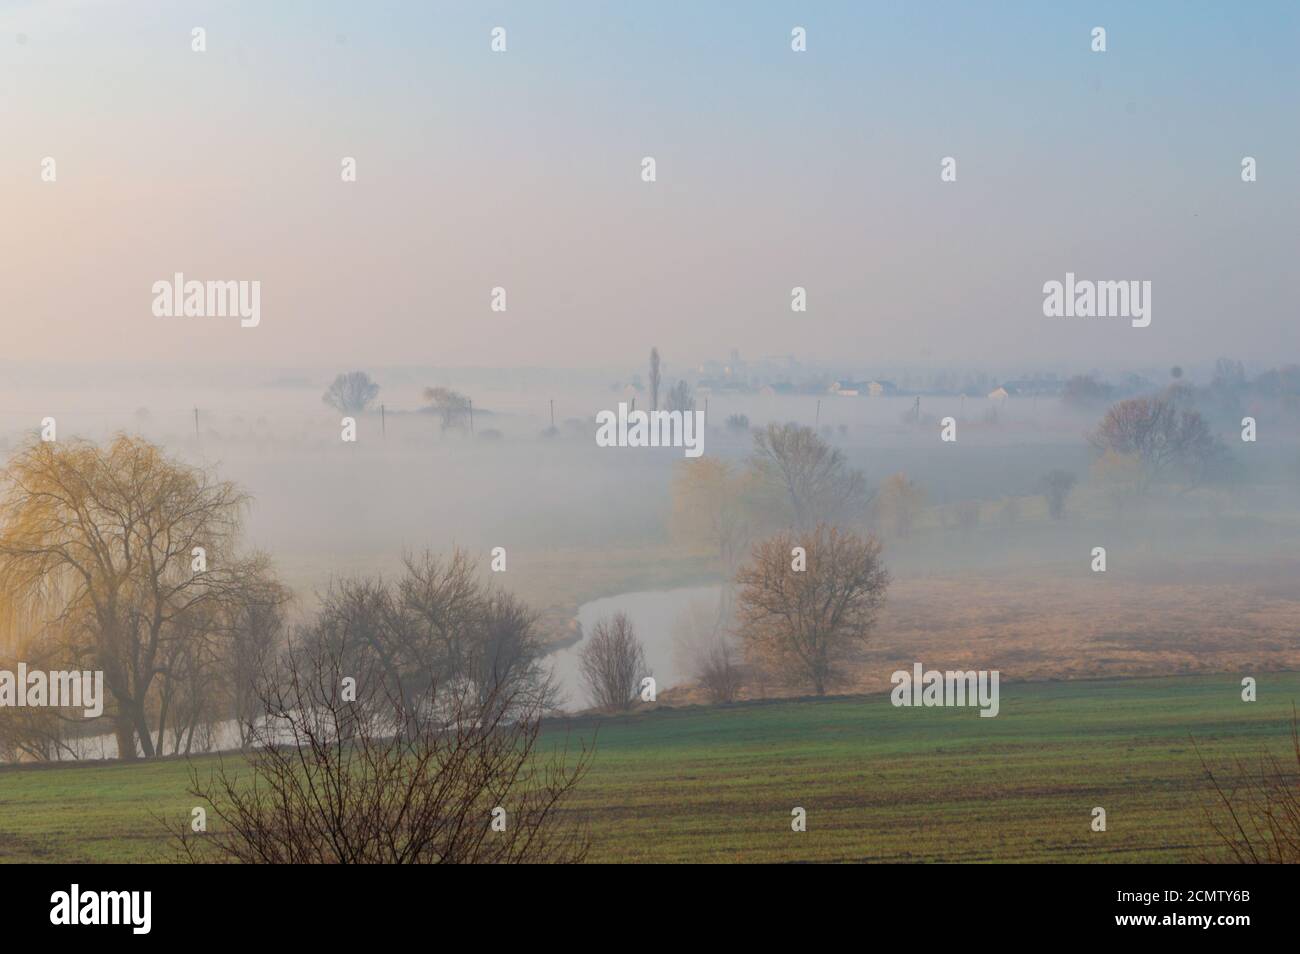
656,615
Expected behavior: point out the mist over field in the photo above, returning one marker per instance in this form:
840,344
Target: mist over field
547,433
603,518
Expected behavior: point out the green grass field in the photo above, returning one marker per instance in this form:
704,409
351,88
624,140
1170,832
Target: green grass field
878,783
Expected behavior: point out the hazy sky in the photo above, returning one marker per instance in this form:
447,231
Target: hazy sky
522,169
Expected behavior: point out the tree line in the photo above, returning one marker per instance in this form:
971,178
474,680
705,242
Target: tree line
119,559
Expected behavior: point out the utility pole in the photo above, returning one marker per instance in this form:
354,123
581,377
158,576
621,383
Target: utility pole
818,419
196,423
552,413
471,417
383,422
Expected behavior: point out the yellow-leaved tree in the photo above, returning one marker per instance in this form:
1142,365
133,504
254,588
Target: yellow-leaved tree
127,559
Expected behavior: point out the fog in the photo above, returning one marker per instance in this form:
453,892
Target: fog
588,531
855,237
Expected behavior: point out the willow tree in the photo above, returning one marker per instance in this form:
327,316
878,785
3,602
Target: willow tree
130,556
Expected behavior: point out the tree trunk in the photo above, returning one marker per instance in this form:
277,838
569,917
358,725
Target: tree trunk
142,730
125,732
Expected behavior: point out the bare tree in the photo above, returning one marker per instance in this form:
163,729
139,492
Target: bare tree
215,646
1057,485
386,780
189,699
814,478
351,393
804,625
504,663
612,663
358,621
439,604
452,407
1165,438
655,379
256,634
437,624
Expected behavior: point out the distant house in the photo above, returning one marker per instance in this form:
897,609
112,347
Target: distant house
845,389
881,388
999,394
767,391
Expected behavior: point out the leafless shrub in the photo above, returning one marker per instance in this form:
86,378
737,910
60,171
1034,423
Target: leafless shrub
702,646
386,779
437,623
38,733
1257,816
717,672
612,663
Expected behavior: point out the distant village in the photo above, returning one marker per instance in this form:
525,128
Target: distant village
784,375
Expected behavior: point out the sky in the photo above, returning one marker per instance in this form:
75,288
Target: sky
522,169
